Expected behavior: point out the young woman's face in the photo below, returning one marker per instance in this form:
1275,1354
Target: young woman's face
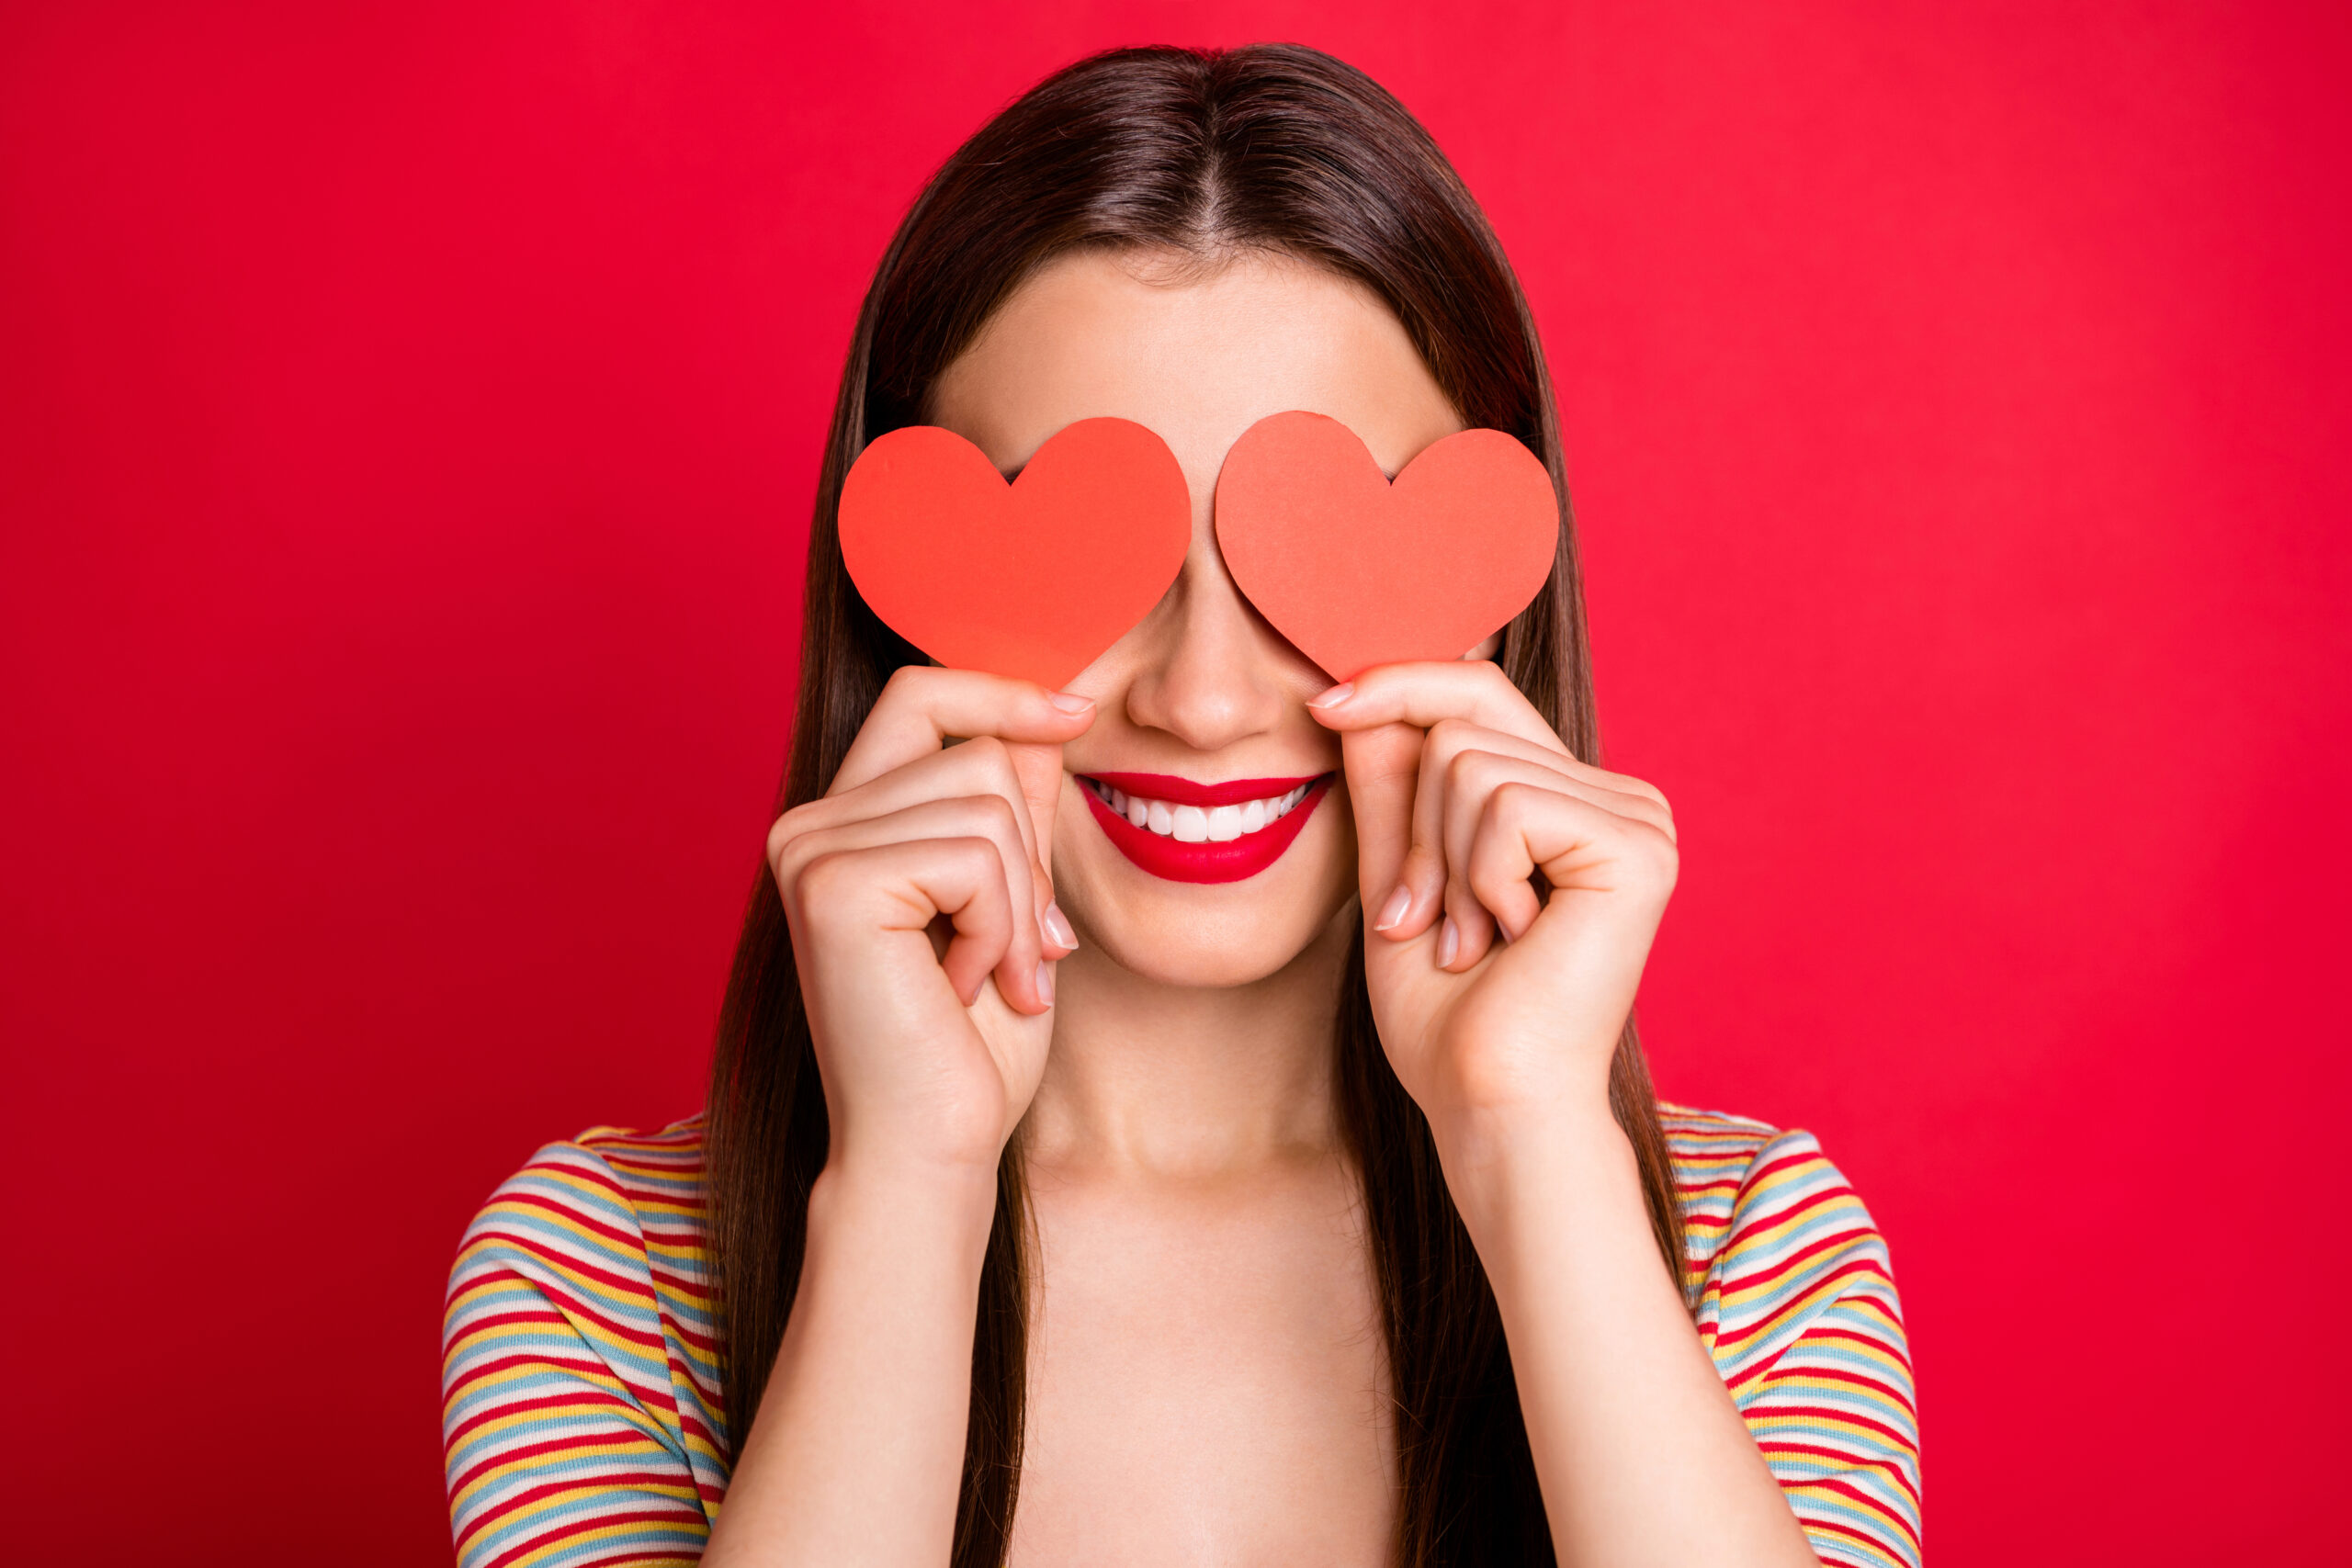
1202,691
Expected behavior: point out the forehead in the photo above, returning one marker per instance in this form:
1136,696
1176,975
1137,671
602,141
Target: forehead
1196,353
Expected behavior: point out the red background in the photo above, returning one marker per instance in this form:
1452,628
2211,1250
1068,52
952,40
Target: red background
408,417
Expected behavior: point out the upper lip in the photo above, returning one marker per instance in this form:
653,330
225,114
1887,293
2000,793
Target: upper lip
1187,792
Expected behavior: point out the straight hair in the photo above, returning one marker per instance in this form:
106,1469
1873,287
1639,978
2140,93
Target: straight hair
1210,154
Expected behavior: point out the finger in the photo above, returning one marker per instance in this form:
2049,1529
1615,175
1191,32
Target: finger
995,930
985,815
1541,793
1451,740
987,765
1380,766
1422,694
922,707
1428,863
1471,779
967,880
984,766
1473,692
1376,716
1579,846
1423,878
1037,775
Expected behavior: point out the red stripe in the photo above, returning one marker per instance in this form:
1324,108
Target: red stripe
563,1296
616,1558
1896,1437
1691,1190
1762,1212
461,1328
595,1172
1808,1154
578,1442
631,1238
1779,1318
634,1291
583,1367
1883,1392
602,1521
1879,1549
1855,1494
583,1395
1891,1343
1888,1468
673,1513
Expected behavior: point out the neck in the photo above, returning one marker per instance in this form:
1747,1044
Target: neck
1160,1081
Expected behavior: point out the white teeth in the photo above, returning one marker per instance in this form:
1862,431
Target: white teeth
1194,824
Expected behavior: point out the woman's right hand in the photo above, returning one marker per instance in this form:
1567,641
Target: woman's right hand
922,920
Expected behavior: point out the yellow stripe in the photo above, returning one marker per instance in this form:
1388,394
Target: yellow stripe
571,1541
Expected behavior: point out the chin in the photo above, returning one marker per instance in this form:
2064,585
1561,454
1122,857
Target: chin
1206,935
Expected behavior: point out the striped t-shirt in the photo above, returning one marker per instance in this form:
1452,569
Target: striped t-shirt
580,1411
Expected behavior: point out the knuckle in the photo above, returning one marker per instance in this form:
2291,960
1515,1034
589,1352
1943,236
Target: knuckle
1450,735
1626,783
1004,830
1514,800
992,814
791,829
974,855
988,752
905,681
1473,769
1658,852
824,880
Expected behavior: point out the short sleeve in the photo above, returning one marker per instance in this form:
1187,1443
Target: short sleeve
565,1436
1798,1308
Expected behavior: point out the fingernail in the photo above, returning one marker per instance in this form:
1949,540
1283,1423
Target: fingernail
1335,697
1057,928
1449,942
1069,704
1045,985
1394,910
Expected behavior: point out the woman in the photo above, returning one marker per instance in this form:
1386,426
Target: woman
1317,1214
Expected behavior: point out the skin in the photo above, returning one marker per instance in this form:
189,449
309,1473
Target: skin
1208,1379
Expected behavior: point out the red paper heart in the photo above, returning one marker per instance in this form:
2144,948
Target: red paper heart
1357,571
1034,579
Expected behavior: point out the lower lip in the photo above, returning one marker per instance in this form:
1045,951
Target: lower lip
1228,862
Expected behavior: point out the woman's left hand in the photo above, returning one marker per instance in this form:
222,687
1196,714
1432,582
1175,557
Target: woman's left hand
1495,1004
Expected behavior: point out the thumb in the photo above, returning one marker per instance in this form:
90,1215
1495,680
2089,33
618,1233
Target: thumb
1382,766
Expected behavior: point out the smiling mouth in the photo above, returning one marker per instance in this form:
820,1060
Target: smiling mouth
1184,832
1189,824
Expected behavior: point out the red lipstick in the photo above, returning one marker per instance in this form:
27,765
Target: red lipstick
1176,860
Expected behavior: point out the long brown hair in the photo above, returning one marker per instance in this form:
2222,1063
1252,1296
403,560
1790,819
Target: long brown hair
1272,147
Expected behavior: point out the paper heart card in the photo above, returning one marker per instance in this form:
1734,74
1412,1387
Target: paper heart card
1038,577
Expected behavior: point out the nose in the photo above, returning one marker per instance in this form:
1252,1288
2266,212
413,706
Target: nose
1210,673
